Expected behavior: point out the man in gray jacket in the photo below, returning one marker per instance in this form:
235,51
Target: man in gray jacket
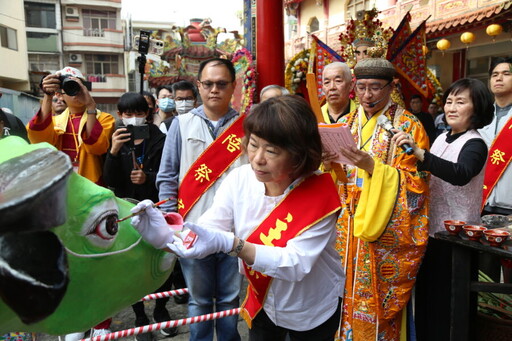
213,282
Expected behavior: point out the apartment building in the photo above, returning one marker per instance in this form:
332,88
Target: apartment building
87,35
92,41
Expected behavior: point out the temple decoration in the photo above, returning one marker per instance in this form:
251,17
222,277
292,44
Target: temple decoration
443,44
467,38
368,32
296,70
185,48
494,30
243,96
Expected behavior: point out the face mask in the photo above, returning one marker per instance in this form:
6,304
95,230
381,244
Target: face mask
185,106
166,104
134,121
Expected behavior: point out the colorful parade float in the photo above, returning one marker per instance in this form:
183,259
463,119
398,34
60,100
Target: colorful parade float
186,47
405,48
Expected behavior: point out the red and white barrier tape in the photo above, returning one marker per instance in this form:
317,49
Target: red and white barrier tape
171,293
163,325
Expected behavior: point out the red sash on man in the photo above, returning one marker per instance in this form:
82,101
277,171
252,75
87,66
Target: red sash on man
308,203
500,155
210,165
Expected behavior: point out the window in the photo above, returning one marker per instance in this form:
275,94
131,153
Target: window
40,15
98,65
8,38
95,22
42,42
43,62
355,6
313,25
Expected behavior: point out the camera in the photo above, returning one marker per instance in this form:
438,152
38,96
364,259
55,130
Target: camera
144,44
71,86
138,132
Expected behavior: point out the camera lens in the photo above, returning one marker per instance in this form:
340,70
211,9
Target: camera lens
70,87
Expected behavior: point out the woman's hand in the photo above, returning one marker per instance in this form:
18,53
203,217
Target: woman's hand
151,224
359,158
120,137
209,241
402,137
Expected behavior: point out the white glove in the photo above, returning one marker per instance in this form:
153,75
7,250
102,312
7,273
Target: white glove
209,241
151,225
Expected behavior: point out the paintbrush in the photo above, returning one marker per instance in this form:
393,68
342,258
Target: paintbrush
139,212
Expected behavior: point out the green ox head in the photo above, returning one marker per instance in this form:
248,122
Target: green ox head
65,262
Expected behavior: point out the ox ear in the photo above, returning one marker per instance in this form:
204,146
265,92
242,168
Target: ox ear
33,188
33,274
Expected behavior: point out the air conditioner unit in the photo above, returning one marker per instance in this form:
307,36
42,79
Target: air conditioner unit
72,12
75,58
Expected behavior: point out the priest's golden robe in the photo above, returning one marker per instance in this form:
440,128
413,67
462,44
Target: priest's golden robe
382,228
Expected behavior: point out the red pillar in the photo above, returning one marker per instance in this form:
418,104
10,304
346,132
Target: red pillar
269,42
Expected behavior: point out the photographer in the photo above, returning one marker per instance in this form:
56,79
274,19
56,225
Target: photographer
134,158
130,170
81,131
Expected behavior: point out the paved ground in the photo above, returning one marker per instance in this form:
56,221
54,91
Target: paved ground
125,319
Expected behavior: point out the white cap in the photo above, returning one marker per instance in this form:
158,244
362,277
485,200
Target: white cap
71,71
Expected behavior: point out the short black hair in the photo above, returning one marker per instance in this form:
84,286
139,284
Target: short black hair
150,96
499,60
132,102
184,86
480,95
217,61
289,123
416,96
167,87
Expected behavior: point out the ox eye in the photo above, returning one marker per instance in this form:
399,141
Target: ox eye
106,226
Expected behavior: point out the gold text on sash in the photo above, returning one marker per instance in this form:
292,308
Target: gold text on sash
180,204
233,142
497,157
202,173
275,232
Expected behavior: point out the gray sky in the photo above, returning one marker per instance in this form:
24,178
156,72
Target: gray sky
223,13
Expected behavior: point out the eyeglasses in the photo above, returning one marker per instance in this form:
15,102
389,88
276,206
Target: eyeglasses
361,88
221,85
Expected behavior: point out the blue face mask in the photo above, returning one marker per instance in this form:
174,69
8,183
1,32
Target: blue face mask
166,104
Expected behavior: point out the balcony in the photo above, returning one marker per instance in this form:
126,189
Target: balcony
79,39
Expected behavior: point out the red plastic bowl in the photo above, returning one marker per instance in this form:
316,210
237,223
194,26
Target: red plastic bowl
496,237
474,232
454,226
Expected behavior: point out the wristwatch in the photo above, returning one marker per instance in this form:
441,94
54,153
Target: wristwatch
236,250
91,112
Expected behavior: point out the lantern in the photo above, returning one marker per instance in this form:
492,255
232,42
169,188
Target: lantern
467,38
443,44
493,30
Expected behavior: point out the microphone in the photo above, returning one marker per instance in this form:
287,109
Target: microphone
371,105
384,122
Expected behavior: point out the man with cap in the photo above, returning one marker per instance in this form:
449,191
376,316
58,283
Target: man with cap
382,228
81,131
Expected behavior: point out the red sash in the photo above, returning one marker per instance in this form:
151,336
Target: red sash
500,155
308,203
210,165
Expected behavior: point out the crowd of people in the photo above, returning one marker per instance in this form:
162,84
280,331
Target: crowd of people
326,258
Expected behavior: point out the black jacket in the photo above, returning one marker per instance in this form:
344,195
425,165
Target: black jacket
117,169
